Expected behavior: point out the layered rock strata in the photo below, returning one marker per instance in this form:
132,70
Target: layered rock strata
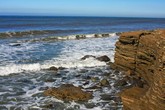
143,53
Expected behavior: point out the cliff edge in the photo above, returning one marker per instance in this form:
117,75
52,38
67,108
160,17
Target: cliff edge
143,53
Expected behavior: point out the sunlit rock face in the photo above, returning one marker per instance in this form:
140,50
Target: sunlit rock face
143,52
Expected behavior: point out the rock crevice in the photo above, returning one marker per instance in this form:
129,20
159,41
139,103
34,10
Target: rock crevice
143,52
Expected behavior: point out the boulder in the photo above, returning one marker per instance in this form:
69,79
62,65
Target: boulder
103,58
104,82
87,56
68,92
53,68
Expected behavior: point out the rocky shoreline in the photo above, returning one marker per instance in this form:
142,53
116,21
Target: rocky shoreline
141,54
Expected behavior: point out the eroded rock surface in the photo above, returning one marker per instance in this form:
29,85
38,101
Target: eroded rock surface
68,92
143,53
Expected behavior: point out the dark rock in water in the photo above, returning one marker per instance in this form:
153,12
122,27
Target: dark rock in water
78,75
53,68
80,37
105,35
106,97
89,105
62,68
43,88
104,82
94,79
97,35
15,45
87,56
121,83
118,33
103,58
50,80
86,83
68,92
55,105
97,86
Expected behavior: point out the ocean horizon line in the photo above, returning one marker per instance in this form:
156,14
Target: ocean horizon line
82,16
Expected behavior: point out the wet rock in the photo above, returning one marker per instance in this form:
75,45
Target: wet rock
97,35
87,56
104,82
106,97
53,68
68,92
105,35
97,86
15,45
62,68
50,80
89,105
94,79
86,83
78,75
43,88
80,37
103,58
55,105
120,83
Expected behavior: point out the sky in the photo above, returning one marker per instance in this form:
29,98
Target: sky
104,8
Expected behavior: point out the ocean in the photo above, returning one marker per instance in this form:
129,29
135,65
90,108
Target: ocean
30,45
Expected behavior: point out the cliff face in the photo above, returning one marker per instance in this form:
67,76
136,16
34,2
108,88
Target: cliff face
143,52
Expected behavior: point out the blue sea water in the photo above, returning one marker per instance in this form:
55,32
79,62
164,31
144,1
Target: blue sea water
29,45
78,24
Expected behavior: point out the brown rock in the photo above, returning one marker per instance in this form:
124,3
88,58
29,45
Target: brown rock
142,53
68,92
104,82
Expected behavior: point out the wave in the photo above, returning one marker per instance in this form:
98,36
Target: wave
34,32
70,37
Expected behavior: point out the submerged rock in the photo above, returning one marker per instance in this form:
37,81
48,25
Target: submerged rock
68,92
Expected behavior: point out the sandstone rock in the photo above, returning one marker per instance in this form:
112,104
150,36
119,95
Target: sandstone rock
143,52
68,92
103,58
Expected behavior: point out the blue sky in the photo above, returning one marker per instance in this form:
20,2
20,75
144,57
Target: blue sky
114,8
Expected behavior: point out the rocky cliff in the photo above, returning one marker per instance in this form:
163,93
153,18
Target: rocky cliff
143,53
